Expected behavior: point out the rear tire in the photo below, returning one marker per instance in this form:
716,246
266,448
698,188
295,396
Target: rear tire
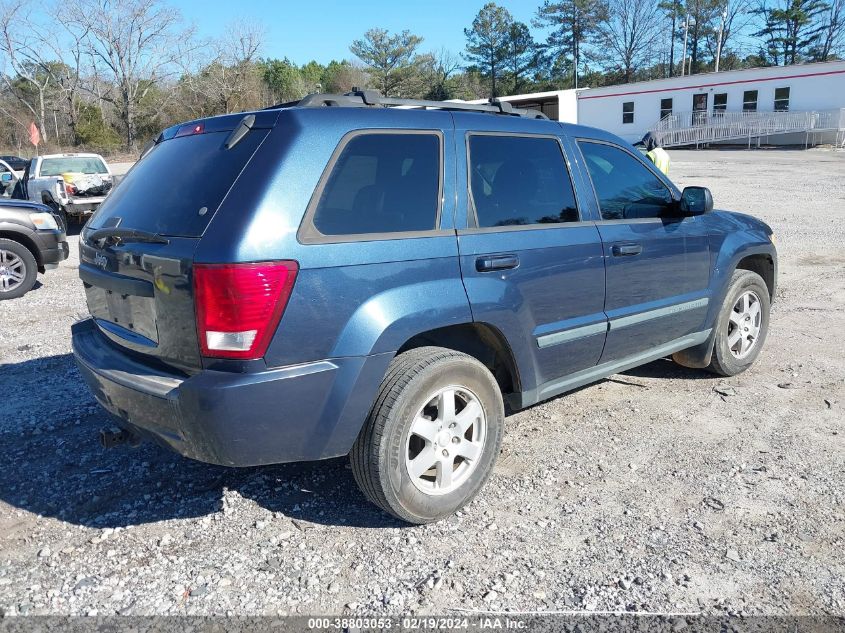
18,269
413,423
742,324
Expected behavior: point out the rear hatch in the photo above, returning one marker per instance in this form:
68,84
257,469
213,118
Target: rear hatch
137,273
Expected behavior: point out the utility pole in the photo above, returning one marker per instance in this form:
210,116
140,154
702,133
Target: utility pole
721,35
684,60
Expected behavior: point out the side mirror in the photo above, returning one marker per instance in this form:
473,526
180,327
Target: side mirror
696,201
5,177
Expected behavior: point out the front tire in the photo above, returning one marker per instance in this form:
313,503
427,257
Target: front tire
742,324
18,270
432,437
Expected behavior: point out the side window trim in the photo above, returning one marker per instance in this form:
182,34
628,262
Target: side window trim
602,220
472,214
308,232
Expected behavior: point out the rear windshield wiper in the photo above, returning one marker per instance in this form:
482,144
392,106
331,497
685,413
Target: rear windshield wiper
114,235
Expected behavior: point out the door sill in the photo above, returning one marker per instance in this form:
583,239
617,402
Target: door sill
585,376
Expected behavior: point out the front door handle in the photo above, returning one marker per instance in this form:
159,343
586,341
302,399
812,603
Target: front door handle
626,250
496,262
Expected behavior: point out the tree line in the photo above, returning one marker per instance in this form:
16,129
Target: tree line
107,75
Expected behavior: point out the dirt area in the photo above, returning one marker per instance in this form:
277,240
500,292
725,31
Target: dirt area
661,489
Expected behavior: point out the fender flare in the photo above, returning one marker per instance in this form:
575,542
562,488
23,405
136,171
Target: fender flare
699,357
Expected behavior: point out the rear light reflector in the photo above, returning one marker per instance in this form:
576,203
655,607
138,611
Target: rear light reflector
239,306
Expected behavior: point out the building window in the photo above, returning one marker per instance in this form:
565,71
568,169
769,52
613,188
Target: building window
628,112
749,101
665,108
781,99
720,102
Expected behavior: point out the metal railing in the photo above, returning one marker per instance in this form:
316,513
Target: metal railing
700,128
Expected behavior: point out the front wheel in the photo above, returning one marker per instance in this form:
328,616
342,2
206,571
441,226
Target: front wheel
742,324
432,437
18,269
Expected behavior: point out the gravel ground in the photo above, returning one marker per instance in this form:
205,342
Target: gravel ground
661,489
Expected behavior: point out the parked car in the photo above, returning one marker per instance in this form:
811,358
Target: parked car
8,178
16,162
31,242
381,281
74,185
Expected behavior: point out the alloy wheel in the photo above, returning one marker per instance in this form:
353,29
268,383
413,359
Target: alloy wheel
446,440
12,271
744,324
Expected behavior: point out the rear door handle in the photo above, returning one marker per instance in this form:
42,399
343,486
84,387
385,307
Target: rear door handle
496,262
626,250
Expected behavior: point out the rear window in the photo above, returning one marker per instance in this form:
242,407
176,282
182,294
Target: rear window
72,164
176,189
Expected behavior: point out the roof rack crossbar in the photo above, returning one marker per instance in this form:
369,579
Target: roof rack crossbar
371,98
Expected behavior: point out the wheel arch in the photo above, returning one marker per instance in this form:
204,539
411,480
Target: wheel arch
25,241
482,341
764,265
759,258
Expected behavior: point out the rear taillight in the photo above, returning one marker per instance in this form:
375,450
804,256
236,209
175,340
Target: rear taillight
70,189
239,306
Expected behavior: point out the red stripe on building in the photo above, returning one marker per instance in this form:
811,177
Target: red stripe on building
722,83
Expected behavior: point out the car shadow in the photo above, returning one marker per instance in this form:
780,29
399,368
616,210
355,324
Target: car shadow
667,368
74,228
662,368
53,465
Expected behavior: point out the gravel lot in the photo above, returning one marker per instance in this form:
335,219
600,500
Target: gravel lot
661,489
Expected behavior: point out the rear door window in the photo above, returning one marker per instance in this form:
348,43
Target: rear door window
381,183
178,186
519,180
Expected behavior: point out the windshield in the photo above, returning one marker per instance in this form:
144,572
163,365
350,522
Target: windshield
73,164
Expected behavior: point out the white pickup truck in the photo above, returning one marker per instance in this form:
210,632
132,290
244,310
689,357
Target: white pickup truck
73,184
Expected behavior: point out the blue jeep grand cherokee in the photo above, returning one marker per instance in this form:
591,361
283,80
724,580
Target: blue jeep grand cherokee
341,276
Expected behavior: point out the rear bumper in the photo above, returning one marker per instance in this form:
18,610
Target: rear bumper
83,205
297,413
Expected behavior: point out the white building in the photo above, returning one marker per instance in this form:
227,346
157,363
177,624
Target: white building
720,104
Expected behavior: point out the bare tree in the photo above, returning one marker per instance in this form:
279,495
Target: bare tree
60,56
630,34
134,44
21,49
737,15
833,33
225,77
343,77
440,68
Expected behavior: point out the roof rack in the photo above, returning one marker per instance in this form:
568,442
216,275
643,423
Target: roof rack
371,98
